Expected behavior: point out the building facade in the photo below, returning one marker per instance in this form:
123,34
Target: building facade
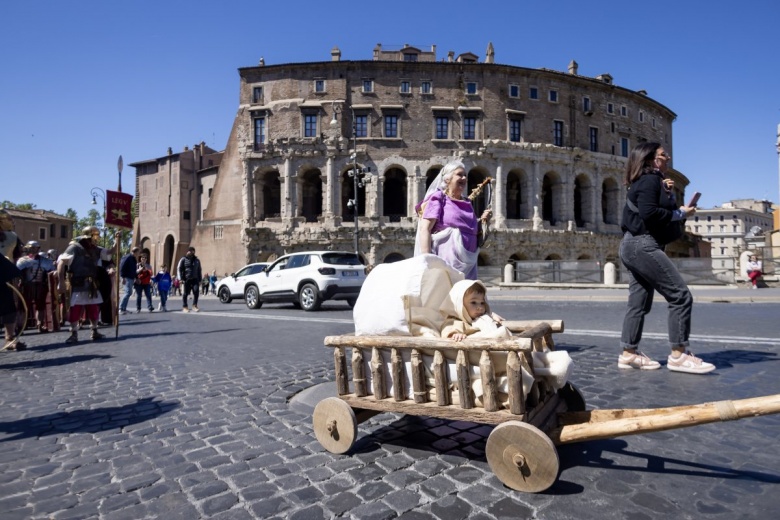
171,192
554,143
50,230
734,230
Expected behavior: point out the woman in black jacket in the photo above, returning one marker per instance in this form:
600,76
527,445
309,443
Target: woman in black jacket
652,219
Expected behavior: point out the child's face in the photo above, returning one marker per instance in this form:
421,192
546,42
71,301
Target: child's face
475,305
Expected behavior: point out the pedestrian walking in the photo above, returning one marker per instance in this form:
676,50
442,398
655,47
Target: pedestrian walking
163,281
127,270
143,284
652,219
190,273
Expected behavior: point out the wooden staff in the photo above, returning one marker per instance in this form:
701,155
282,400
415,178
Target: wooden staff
117,276
14,341
476,192
606,424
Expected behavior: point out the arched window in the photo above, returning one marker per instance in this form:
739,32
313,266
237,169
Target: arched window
551,198
516,204
394,194
272,196
311,195
609,201
348,194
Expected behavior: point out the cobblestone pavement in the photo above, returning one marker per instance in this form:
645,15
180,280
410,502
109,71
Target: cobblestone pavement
188,416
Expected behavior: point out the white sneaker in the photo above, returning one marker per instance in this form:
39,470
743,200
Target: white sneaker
689,363
637,360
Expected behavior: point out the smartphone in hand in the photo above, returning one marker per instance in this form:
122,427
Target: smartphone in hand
694,200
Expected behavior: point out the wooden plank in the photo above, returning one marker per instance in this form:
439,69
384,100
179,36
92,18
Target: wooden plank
667,419
399,375
378,374
359,373
451,412
418,378
409,342
488,375
342,378
517,326
442,383
465,395
514,374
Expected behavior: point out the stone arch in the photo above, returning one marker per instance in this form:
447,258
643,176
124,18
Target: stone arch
348,194
583,200
483,259
394,194
518,257
393,257
475,178
517,206
431,174
552,195
270,188
311,195
609,201
584,256
168,252
553,256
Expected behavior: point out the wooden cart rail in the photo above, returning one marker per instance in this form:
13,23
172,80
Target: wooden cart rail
606,424
532,336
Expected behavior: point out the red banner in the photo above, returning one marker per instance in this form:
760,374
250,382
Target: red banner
119,210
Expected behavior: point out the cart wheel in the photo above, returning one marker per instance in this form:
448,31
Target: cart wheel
522,457
575,402
335,425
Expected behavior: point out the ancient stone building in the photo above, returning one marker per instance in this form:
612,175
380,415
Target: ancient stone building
554,142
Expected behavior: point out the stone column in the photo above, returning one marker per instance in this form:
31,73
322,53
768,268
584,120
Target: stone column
329,190
499,197
247,197
287,195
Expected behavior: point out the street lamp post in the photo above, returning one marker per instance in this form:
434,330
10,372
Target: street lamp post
97,192
358,174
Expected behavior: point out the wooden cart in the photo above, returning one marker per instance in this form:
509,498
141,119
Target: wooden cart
521,449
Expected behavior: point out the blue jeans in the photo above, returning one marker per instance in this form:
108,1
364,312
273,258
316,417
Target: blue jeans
128,283
147,290
163,297
651,270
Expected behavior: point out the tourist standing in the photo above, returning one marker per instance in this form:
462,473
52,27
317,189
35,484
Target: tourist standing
191,275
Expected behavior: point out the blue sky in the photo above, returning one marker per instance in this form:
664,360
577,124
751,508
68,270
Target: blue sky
83,81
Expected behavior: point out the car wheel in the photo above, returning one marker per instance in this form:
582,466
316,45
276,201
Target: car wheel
351,302
224,295
309,297
252,297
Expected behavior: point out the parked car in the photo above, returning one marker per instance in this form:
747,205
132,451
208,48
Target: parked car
232,286
307,279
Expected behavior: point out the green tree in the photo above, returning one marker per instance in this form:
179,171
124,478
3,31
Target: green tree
11,205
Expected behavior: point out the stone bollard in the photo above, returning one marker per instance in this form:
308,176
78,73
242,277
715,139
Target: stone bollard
610,274
509,273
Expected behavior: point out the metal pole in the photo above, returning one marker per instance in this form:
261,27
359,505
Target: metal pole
355,180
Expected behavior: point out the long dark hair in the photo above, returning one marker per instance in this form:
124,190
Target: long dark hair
640,161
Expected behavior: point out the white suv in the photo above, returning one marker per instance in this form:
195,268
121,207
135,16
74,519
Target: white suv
233,286
307,279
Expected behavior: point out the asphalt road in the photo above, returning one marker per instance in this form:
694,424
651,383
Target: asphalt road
189,416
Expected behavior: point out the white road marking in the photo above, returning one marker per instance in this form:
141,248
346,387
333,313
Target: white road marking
741,340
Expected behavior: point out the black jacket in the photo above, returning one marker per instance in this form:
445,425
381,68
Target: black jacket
656,208
189,268
127,266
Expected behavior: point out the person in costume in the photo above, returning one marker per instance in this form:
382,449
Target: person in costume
80,258
448,226
468,313
35,282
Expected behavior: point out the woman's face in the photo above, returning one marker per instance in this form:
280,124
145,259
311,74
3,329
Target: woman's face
457,182
661,160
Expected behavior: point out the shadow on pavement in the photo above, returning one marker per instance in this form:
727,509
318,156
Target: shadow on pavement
91,421
54,362
124,337
598,454
729,358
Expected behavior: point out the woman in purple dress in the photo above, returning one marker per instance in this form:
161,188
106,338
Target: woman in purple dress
448,226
